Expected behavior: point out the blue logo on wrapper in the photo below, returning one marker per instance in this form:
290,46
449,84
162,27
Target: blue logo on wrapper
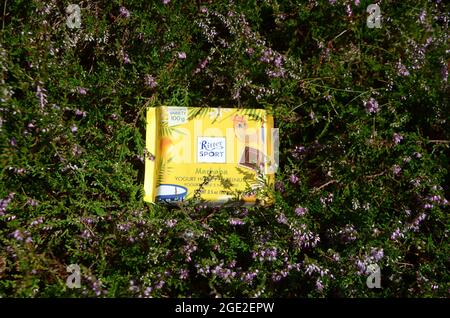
211,149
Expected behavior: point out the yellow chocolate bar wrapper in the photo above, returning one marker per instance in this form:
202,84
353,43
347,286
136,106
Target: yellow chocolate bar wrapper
216,155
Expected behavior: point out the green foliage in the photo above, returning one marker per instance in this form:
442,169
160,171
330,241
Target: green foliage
364,148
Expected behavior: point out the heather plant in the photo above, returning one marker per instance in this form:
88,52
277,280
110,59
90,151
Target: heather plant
364,148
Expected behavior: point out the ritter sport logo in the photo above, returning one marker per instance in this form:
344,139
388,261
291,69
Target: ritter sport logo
211,149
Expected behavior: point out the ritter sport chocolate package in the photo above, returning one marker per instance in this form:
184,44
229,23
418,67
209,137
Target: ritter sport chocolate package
214,155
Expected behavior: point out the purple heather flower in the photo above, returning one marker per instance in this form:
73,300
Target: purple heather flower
133,289
147,291
17,234
279,186
41,94
276,277
357,2
276,73
244,212
300,211
371,106
396,169
435,198
126,59
305,238
124,226
188,250
150,81
124,13
428,206
236,221
73,128
165,1
97,287
298,151
415,182
348,233
266,56
80,113
37,221
270,253
294,179
32,202
336,257
181,55
184,274
278,61
249,276
13,142
313,268
422,16
202,65
81,90
87,220
86,234
418,220
402,70
282,219
361,267
348,9
171,223
326,200
397,138
397,234
332,2
444,72
377,254
204,10
319,285
76,150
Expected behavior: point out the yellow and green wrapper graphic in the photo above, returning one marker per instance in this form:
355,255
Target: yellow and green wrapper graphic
217,155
